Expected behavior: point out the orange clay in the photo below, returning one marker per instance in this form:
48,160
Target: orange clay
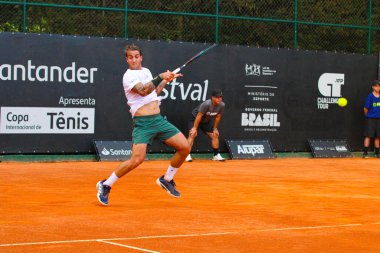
281,205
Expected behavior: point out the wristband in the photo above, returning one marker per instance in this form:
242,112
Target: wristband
157,80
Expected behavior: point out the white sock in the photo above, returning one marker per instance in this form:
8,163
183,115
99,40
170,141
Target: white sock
111,180
170,173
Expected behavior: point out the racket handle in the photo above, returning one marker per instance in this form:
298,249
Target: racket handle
176,70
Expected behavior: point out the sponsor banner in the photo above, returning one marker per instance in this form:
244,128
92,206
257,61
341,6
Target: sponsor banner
113,150
290,96
261,111
258,70
33,74
330,88
52,74
44,120
330,148
250,149
263,121
285,96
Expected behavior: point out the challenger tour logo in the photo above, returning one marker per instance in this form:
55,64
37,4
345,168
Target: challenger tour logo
330,87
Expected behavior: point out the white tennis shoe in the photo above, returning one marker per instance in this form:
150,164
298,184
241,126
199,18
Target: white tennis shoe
188,158
218,157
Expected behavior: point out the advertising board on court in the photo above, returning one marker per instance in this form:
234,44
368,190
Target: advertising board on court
113,150
250,149
329,148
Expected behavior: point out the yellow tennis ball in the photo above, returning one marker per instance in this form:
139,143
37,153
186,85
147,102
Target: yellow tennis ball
342,102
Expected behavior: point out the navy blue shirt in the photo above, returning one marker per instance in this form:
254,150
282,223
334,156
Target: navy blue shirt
372,103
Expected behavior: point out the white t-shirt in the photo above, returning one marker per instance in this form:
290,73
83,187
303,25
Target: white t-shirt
135,100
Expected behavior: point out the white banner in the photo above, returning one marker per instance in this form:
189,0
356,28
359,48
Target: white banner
45,120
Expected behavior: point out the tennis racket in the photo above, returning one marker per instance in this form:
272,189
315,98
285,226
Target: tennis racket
193,58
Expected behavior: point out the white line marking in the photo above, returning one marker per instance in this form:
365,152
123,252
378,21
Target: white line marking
187,235
260,86
39,243
311,227
128,246
114,239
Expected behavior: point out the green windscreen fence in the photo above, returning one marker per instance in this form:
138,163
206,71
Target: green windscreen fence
351,26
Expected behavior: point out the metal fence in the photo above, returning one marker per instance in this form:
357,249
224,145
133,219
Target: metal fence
346,26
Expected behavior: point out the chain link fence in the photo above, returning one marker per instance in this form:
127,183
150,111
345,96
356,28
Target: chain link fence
351,26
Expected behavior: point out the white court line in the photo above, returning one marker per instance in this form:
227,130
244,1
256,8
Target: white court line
174,236
311,227
128,246
114,239
51,242
189,235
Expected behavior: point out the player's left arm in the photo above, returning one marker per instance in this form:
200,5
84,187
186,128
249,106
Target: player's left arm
217,120
158,83
166,78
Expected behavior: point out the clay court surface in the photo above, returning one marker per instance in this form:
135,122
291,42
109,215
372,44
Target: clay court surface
281,205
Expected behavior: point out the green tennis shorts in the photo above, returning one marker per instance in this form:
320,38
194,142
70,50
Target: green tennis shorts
146,128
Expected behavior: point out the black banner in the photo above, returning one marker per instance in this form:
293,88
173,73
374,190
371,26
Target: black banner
113,150
250,149
59,93
330,148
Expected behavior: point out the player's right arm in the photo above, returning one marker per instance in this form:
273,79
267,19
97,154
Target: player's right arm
193,131
365,111
198,120
368,104
144,89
